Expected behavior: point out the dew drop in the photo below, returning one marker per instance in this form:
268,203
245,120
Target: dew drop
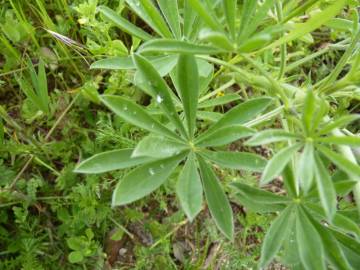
125,108
151,171
159,99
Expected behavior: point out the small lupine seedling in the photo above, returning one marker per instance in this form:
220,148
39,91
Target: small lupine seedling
179,141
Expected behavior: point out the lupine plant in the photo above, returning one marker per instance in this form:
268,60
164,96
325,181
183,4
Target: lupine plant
316,164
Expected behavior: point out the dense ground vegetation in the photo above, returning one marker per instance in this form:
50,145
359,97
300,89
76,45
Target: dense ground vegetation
179,134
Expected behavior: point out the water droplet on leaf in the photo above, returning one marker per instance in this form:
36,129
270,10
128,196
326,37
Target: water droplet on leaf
159,99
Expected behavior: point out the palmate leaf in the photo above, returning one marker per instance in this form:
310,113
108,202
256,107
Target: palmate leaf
188,75
275,236
145,179
189,188
217,201
109,161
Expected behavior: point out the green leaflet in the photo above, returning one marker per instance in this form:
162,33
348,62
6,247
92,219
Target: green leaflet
123,24
241,113
344,164
189,188
176,46
342,121
163,64
347,140
311,250
136,115
109,161
270,136
325,188
230,15
305,173
159,90
219,101
334,254
170,10
187,73
276,235
259,195
223,136
308,113
143,180
205,14
158,147
278,162
156,18
219,205
218,39
236,160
